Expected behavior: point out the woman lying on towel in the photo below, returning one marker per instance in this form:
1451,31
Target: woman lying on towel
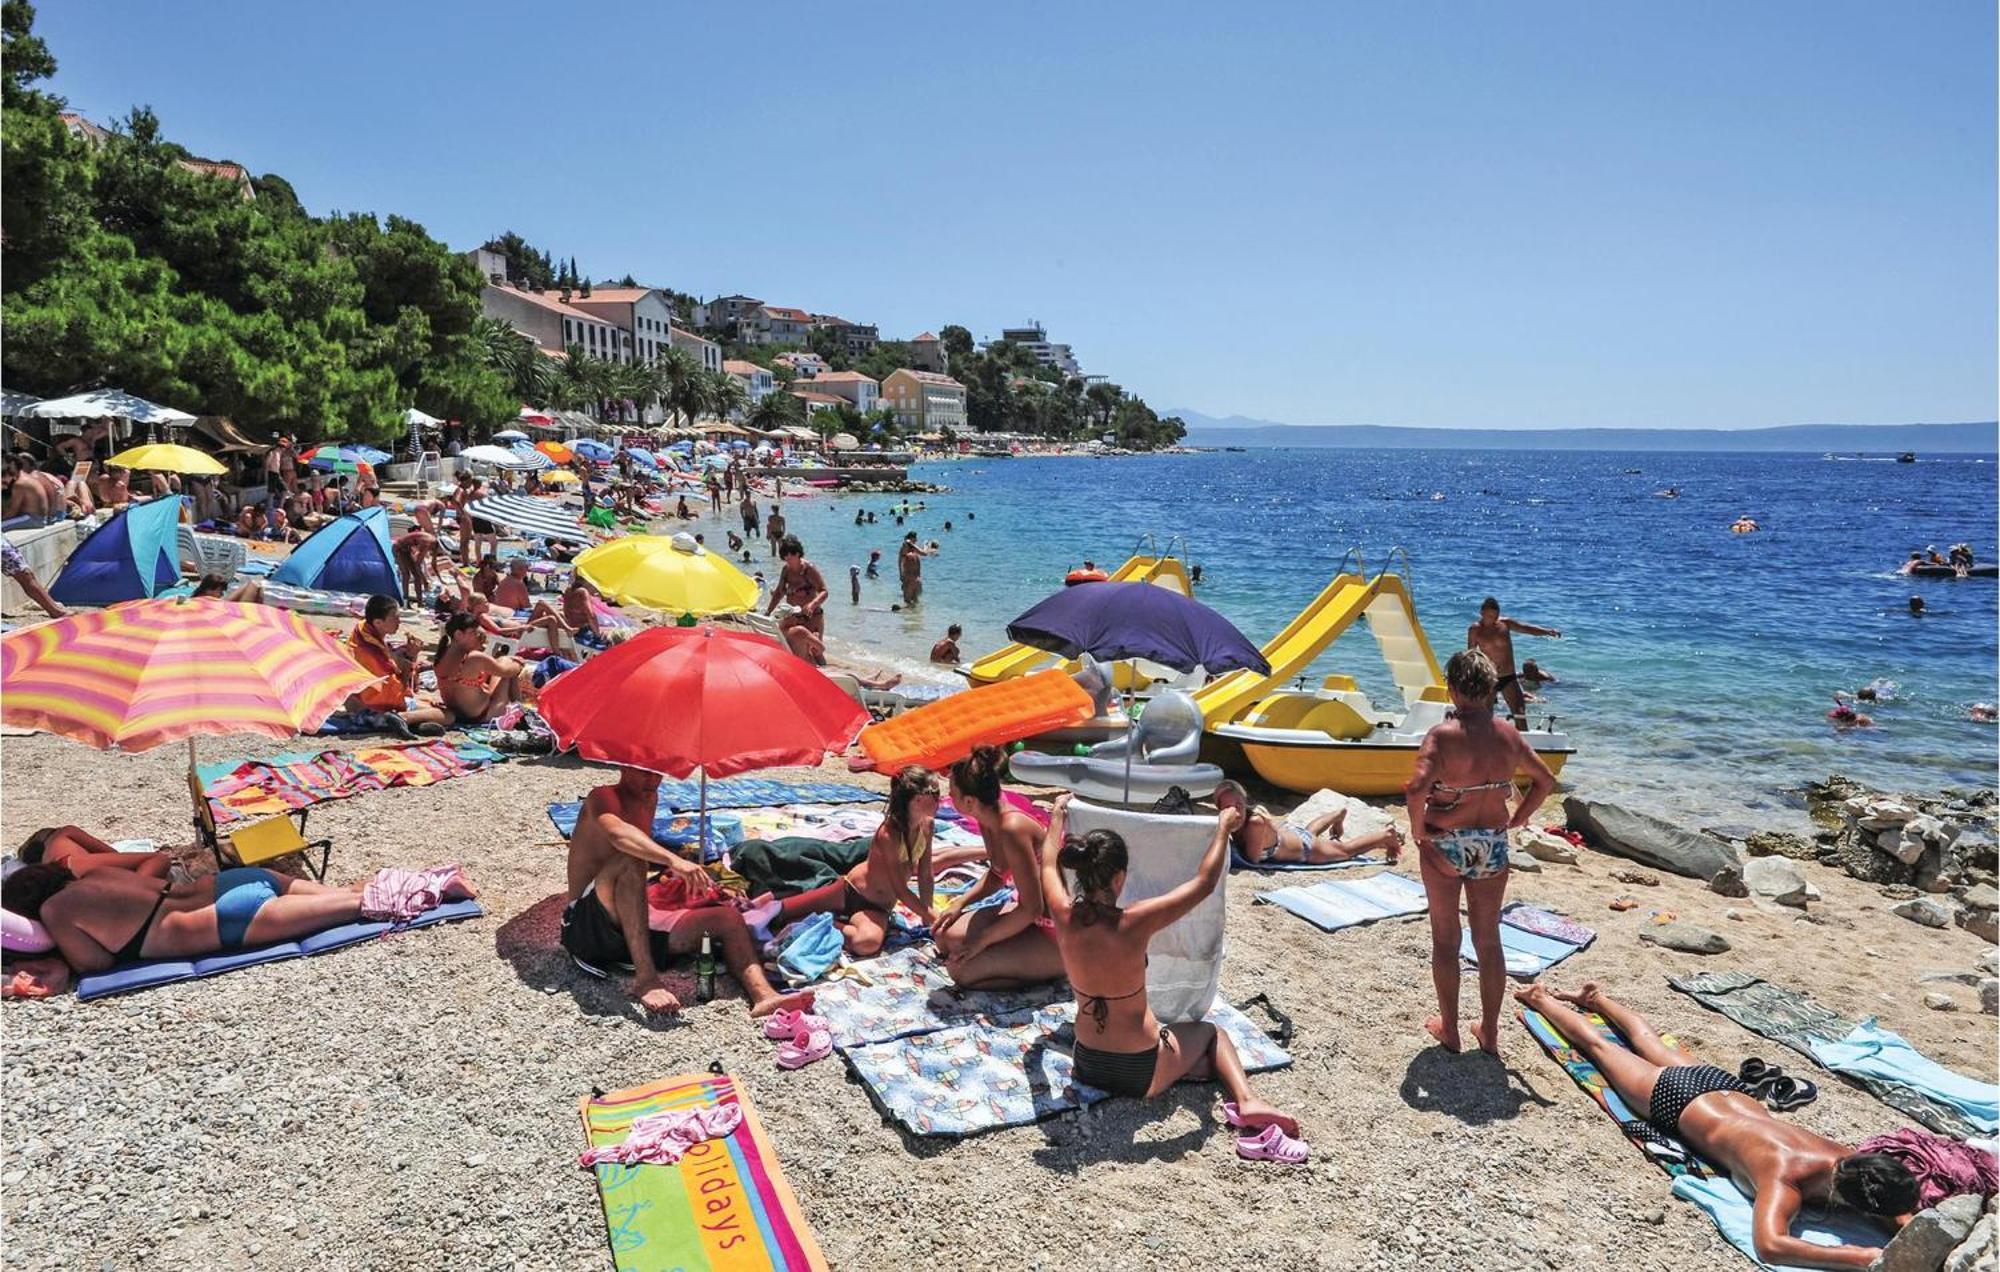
994,939
900,850
1780,1164
81,852
1121,1047
107,917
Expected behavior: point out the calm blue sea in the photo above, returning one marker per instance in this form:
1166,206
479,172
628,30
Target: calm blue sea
1696,664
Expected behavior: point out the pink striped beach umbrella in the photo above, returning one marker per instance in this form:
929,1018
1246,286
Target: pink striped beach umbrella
137,675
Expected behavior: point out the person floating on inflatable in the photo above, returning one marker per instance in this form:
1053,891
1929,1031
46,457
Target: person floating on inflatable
1844,716
1743,525
1088,574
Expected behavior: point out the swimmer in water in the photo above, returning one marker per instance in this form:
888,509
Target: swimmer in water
1916,607
1844,716
1983,713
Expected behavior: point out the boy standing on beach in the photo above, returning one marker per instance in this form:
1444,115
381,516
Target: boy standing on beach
1493,636
605,924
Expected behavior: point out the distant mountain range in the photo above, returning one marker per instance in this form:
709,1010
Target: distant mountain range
1954,439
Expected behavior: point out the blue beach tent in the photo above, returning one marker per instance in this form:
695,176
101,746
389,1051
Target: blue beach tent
128,558
348,554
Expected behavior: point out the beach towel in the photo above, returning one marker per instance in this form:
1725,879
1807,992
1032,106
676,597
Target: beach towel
724,1205
1184,959
1694,1179
670,829
247,790
147,973
910,992
809,949
684,795
1343,903
1877,1060
1532,939
1240,862
1009,1070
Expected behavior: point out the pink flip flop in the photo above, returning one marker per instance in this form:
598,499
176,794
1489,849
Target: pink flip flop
812,1042
1230,1115
782,1024
1272,1145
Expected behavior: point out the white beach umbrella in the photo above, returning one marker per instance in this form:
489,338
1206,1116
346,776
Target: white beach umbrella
504,457
510,435
103,404
418,419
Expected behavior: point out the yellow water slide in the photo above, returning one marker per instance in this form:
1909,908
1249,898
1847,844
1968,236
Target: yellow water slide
1392,620
1019,660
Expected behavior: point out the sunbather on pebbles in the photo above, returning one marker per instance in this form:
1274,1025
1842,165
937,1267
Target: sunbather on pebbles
1783,1166
605,925
108,917
1121,1047
899,854
1264,839
989,943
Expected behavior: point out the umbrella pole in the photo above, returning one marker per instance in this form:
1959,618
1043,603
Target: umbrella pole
701,823
1131,724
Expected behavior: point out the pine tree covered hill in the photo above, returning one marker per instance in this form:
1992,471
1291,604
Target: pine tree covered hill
121,267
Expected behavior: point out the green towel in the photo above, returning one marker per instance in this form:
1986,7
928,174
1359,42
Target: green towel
794,864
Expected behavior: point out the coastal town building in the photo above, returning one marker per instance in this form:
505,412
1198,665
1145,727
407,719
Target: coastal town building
858,339
1035,339
861,392
927,354
548,319
221,169
757,381
725,315
804,363
706,351
775,324
815,401
924,401
643,313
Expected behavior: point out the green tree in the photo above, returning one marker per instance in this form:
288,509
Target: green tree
775,410
956,341
723,395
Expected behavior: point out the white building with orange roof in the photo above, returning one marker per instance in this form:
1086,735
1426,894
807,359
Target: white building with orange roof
815,401
804,363
757,381
859,391
776,324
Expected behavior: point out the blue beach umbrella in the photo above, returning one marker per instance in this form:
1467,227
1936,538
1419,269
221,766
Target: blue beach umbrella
592,450
644,456
1111,621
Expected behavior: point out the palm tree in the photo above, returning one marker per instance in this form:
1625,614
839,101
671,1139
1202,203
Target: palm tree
676,371
723,395
529,374
775,411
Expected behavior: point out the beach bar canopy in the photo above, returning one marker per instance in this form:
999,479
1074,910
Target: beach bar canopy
106,404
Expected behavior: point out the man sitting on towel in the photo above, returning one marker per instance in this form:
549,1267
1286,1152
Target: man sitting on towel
605,925
1264,840
1782,1165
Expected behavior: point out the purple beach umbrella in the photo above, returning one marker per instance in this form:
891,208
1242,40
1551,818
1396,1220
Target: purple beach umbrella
1113,621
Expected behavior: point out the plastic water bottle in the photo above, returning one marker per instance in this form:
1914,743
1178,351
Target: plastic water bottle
704,972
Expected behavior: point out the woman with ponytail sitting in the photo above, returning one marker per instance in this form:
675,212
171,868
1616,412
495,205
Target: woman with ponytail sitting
998,935
900,850
476,686
1121,1047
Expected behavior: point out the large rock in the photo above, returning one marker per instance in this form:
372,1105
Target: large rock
1546,846
1929,1238
1899,843
1880,812
1728,882
1649,840
1978,1252
1984,924
1989,996
1685,937
1779,843
1777,880
1858,857
1983,897
1925,910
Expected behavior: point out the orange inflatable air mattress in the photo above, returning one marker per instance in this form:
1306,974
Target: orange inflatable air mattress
945,731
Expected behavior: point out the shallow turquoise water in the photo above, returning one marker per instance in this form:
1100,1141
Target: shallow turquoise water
1696,664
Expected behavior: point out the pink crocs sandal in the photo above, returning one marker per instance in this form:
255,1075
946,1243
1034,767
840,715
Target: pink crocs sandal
1272,1145
812,1042
782,1024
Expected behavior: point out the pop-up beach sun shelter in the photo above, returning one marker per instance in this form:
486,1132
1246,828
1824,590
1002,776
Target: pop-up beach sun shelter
348,554
128,558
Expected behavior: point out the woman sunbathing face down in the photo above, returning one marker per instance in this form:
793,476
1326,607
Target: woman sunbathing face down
108,917
81,852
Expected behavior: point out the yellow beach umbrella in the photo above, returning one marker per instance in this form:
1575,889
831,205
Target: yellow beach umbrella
676,576
558,477
167,457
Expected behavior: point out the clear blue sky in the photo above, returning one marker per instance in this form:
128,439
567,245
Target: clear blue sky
1690,214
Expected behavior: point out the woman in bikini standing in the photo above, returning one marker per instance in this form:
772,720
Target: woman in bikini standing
989,943
1121,1047
474,684
1457,800
900,850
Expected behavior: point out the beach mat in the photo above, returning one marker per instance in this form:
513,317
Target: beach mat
725,1205
1006,1071
1343,903
910,992
670,829
1532,939
1695,1181
684,796
147,973
1873,1058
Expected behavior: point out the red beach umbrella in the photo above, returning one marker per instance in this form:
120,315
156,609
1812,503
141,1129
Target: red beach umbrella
677,700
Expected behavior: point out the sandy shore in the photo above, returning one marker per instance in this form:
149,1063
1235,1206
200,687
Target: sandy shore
412,1103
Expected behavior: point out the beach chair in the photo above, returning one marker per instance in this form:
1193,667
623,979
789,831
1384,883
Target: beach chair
259,842
218,554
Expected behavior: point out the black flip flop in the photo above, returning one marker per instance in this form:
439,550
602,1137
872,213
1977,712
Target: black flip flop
1758,1075
1787,1093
